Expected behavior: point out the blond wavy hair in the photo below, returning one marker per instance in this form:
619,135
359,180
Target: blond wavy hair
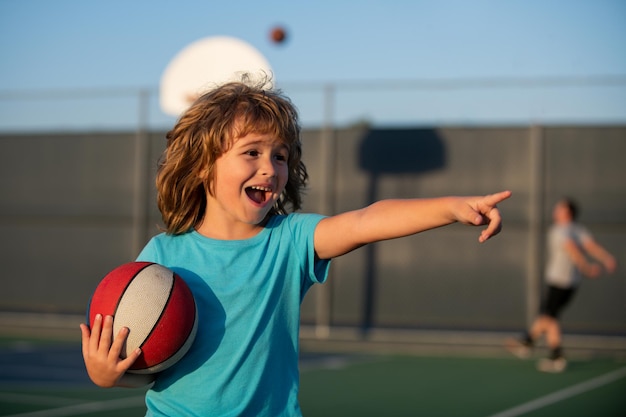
207,130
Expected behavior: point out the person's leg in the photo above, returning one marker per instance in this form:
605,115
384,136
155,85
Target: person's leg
539,327
555,362
553,334
522,346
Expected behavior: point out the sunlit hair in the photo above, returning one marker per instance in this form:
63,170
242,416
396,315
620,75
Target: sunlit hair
207,130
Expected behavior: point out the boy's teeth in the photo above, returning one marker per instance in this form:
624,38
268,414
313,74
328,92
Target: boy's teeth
257,193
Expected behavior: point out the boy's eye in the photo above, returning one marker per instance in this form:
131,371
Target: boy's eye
279,156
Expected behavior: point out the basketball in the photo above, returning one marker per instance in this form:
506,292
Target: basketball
156,305
278,35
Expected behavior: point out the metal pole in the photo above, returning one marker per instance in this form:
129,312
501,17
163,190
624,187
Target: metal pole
327,204
140,197
535,238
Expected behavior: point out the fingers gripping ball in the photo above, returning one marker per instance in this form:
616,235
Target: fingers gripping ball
158,308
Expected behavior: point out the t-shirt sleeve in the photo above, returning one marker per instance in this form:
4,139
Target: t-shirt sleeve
584,234
303,227
150,252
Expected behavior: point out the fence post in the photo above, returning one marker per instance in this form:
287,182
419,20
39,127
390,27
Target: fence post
535,238
328,146
140,195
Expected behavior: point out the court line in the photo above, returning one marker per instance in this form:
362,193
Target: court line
563,394
91,407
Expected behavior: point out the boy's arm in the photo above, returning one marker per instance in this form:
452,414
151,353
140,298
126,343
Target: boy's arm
579,259
390,219
600,254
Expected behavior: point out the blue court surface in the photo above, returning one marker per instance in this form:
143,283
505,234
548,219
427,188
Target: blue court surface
48,379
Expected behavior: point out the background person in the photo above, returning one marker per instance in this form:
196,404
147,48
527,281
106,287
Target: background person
572,254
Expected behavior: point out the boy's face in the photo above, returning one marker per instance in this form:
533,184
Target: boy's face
561,213
248,179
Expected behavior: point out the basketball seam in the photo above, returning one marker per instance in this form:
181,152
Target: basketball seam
162,313
121,297
176,356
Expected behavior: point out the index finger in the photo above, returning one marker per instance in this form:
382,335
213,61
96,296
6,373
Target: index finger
95,333
493,199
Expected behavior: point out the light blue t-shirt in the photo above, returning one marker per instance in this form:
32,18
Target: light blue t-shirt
244,360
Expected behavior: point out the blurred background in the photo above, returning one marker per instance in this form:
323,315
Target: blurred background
397,99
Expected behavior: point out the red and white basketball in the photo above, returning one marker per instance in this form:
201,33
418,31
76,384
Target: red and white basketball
158,308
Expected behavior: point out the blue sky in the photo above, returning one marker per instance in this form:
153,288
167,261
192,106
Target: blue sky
81,44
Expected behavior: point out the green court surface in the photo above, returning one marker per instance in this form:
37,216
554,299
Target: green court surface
444,386
49,380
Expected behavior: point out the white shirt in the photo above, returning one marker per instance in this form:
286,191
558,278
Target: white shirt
560,269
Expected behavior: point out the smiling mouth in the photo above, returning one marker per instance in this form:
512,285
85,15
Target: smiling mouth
258,194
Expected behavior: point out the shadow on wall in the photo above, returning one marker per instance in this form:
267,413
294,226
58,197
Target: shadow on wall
393,152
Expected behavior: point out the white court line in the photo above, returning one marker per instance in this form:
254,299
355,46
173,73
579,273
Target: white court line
563,394
92,407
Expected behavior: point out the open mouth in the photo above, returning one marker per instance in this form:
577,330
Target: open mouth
258,194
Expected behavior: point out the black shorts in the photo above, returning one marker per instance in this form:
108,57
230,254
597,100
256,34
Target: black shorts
555,300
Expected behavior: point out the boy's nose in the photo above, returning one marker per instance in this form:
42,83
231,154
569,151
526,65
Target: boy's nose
268,167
